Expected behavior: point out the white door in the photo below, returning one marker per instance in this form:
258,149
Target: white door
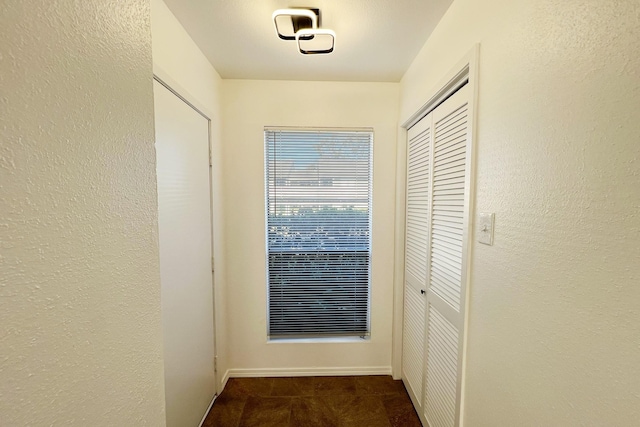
447,261
416,255
184,222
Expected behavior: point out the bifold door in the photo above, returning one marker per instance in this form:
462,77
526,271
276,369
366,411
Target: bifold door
438,187
416,251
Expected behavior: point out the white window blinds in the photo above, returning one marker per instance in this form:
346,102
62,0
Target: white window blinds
318,232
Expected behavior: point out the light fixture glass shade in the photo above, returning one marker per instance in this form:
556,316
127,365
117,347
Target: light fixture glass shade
315,41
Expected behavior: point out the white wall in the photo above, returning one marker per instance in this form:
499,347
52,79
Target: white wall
554,323
248,107
178,60
81,340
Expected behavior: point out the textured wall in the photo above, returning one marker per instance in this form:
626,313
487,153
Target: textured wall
176,56
249,105
554,324
80,336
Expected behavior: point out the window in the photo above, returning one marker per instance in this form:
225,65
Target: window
318,232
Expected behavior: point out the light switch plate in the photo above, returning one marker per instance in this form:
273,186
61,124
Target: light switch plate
485,228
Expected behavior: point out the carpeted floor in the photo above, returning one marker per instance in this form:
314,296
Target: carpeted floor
363,401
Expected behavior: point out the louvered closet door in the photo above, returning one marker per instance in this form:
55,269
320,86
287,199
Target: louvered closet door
417,243
446,290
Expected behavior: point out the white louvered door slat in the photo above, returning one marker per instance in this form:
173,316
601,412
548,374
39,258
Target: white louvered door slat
446,276
413,342
442,352
417,246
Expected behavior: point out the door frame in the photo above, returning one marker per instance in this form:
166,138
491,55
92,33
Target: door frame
174,87
464,72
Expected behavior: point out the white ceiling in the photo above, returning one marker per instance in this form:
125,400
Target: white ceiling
376,40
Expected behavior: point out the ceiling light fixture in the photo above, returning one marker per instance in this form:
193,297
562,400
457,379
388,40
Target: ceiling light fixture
303,26
320,44
289,21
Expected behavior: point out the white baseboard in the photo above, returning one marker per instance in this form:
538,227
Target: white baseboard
307,372
225,379
204,417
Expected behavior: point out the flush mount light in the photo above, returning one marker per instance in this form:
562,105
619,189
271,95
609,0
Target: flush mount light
315,41
303,26
289,21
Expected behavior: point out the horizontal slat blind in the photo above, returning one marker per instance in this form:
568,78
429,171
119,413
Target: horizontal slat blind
318,232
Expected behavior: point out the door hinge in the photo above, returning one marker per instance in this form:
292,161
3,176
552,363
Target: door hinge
215,363
210,159
212,265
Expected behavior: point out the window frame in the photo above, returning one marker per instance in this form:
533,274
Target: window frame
311,336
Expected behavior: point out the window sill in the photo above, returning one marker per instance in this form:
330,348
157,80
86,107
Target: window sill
333,340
